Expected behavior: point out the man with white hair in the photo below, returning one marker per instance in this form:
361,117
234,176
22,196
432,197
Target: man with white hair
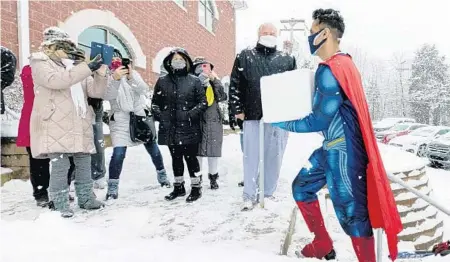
245,104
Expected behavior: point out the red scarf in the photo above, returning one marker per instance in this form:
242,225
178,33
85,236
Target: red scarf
383,211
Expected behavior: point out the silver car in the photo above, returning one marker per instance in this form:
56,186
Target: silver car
439,151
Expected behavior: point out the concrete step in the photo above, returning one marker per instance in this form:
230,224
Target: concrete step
428,228
11,173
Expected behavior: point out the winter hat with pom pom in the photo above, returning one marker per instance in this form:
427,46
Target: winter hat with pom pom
54,34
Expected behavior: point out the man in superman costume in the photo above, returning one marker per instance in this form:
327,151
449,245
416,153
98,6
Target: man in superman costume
349,161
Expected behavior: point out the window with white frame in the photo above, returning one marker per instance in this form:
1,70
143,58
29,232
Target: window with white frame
206,14
102,36
180,3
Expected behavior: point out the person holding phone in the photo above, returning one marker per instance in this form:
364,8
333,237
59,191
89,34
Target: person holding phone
61,121
211,121
125,94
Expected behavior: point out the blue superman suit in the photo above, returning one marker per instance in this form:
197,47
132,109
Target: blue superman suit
342,160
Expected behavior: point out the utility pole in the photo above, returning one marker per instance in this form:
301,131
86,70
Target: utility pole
400,70
292,22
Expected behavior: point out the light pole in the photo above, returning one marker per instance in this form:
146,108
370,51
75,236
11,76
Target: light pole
292,22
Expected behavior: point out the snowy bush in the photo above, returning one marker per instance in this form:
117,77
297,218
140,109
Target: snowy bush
14,95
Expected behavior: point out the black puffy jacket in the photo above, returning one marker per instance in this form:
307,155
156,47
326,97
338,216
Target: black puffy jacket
8,71
250,65
178,102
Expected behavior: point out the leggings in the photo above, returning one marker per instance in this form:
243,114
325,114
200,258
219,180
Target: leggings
213,163
189,153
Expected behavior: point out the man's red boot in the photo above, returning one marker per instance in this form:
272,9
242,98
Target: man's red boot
364,248
322,245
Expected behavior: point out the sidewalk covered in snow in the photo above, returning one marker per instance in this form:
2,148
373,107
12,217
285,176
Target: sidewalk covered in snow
142,226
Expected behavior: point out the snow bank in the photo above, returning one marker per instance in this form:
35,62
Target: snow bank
5,170
10,128
396,160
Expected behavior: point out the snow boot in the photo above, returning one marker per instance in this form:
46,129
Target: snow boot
241,184
196,189
162,178
113,189
322,245
42,201
86,196
213,181
364,248
196,193
178,190
59,201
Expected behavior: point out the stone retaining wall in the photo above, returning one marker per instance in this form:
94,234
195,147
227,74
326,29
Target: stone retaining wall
16,159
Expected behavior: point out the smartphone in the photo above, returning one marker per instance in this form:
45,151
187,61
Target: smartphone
126,63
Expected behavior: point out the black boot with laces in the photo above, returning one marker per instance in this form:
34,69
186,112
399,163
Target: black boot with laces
178,190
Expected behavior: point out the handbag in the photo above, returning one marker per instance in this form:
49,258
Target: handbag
142,128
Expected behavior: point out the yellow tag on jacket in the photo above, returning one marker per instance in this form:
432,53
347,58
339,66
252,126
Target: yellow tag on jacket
210,95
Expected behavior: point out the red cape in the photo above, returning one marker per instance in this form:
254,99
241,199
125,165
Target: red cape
383,211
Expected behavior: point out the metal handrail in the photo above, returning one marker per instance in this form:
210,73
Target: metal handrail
416,192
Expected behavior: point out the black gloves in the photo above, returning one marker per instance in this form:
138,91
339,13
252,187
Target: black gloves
232,122
96,63
240,123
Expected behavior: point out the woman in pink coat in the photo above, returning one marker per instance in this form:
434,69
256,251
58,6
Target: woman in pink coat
39,168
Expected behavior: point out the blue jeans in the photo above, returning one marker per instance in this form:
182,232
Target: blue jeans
119,153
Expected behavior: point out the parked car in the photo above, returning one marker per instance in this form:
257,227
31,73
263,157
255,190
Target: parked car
388,123
417,141
396,131
439,151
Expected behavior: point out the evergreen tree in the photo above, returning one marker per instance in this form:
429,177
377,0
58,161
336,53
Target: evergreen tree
429,90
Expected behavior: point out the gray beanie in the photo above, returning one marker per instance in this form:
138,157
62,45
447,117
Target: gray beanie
55,34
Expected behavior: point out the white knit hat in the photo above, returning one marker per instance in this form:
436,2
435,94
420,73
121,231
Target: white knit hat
55,34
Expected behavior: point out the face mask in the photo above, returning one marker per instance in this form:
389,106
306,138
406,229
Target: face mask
178,64
313,48
268,40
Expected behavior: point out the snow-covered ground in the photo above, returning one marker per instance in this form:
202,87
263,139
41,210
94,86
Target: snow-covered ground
142,226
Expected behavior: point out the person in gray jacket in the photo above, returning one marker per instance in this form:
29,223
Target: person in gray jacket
211,121
126,95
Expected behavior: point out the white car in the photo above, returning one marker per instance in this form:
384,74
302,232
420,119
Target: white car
417,141
388,123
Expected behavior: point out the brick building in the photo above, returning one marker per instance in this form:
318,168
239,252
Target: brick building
142,30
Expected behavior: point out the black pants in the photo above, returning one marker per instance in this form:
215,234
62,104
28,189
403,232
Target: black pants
189,152
40,175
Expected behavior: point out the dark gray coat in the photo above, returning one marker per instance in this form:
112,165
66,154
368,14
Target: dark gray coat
211,124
